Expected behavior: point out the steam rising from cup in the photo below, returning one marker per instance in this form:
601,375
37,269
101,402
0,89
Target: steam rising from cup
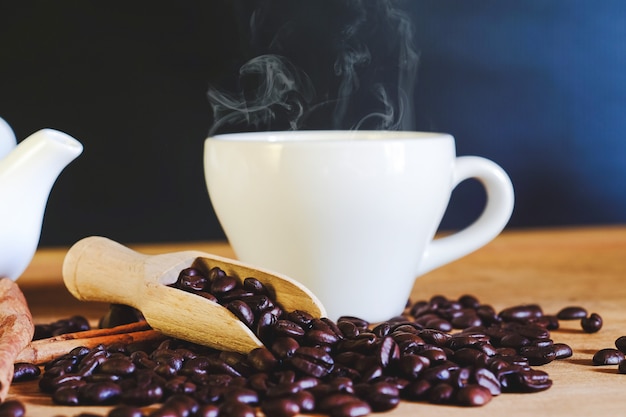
322,65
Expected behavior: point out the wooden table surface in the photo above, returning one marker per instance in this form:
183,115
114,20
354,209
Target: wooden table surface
551,267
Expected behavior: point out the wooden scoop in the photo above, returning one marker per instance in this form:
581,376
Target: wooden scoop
99,269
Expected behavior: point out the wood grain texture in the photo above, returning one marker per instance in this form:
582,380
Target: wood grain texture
552,267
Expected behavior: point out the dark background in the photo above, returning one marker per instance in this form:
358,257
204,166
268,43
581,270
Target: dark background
537,86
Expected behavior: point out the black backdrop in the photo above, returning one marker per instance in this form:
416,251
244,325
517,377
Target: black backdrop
537,86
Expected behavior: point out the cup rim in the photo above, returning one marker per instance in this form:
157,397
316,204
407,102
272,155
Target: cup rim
285,136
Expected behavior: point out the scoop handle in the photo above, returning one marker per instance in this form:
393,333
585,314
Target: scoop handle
99,269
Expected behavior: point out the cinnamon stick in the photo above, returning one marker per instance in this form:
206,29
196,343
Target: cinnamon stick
45,350
16,330
86,334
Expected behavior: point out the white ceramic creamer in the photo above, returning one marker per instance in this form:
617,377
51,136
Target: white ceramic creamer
28,171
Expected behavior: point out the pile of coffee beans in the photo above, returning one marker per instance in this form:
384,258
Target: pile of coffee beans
69,325
442,351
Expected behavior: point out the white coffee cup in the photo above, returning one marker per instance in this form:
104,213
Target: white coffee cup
350,214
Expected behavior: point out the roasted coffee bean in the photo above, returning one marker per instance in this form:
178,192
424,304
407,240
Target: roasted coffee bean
487,314
441,393
467,318
254,285
305,400
365,342
434,354
24,371
381,330
358,322
469,301
620,344
485,347
117,366
242,395
407,341
525,380
437,323
435,337
12,408
180,385
608,356
265,324
66,396
284,389
102,378
460,377
514,340
144,395
548,322
281,407
356,408
284,347
412,366
571,313
542,343
327,324
235,294
190,279
408,327
591,324
437,373
222,284
521,313
334,400
472,395
312,361
236,409
469,357
207,295
381,396
242,310
486,379
208,410
320,337
287,328
262,359
417,390
257,302
388,352
99,393
67,380
423,319
183,405
562,350
348,329
236,362
532,331
301,318
538,355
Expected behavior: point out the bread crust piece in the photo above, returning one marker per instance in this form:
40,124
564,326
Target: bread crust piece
16,330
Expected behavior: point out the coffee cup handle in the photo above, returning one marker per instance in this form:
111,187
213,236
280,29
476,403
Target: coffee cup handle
487,226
